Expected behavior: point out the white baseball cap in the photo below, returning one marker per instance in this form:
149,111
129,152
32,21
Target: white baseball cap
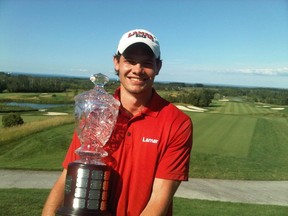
139,36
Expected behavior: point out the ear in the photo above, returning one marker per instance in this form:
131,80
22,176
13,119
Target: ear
116,63
159,66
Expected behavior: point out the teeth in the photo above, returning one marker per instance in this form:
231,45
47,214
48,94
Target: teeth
137,79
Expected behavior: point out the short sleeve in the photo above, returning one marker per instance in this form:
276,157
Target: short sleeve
174,164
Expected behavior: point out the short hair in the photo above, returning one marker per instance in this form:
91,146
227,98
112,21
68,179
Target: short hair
118,55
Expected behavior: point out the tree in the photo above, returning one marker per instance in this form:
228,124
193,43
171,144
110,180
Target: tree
12,119
2,82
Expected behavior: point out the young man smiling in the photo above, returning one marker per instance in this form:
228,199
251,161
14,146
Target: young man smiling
151,142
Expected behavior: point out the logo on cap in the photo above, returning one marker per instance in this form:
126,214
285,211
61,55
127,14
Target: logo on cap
141,34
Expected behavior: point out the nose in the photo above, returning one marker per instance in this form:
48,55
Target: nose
138,68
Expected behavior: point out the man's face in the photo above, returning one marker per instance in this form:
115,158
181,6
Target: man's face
137,69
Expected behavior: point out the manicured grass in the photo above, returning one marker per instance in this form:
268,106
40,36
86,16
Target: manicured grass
232,141
44,150
187,207
22,202
15,96
247,144
225,135
244,108
240,141
63,97
35,115
30,202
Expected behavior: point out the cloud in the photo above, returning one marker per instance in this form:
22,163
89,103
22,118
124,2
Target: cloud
283,71
186,66
79,69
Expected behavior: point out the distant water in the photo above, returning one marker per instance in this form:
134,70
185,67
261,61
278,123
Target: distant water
33,105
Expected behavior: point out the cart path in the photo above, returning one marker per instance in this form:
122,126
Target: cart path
240,191
256,192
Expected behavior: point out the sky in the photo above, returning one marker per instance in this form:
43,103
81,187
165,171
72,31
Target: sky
227,42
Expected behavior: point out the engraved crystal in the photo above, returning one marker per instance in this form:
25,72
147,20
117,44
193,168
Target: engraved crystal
96,113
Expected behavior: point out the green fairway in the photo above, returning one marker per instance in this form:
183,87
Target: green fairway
245,108
224,135
240,139
232,140
59,97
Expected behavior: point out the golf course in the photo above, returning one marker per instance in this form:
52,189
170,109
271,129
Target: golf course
233,139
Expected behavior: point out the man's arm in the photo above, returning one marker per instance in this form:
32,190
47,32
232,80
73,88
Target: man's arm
161,197
56,196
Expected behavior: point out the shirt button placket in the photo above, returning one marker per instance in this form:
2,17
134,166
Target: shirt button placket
128,140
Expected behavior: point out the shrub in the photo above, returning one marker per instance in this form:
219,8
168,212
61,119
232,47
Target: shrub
12,119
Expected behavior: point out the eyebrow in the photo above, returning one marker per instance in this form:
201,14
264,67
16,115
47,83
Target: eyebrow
146,58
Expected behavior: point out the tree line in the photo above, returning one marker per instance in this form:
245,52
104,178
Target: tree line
27,83
261,95
201,97
196,94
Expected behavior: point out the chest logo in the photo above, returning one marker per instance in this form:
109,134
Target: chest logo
149,140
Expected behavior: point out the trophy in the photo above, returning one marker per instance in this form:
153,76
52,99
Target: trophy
87,180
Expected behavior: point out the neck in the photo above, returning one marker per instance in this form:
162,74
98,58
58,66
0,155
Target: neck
134,103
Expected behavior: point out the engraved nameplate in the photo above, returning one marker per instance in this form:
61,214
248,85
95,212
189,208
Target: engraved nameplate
80,192
93,204
94,184
97,174
79,203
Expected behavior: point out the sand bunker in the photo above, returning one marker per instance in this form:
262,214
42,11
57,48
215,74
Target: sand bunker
191,108
55,113
183,108
197,108
279,108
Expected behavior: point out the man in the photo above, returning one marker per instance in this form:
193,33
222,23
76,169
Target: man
151,142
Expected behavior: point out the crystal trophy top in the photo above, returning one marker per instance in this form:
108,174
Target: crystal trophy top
96,113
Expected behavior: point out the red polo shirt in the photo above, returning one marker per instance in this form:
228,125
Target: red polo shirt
155,143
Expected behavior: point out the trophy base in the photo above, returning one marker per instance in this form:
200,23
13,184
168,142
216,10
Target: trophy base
86,190
76,212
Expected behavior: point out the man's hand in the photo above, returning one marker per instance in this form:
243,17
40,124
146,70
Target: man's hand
161,197
56,196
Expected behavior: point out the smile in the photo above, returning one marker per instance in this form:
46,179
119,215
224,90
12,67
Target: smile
136,79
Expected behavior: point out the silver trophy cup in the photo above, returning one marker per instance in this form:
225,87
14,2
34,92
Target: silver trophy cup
87,180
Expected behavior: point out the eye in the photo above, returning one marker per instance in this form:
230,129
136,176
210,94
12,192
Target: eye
148,64
131,61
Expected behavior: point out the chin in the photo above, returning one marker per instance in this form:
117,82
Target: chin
139,90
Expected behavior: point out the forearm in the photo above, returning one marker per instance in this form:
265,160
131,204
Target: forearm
161,197
157,206
56,196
